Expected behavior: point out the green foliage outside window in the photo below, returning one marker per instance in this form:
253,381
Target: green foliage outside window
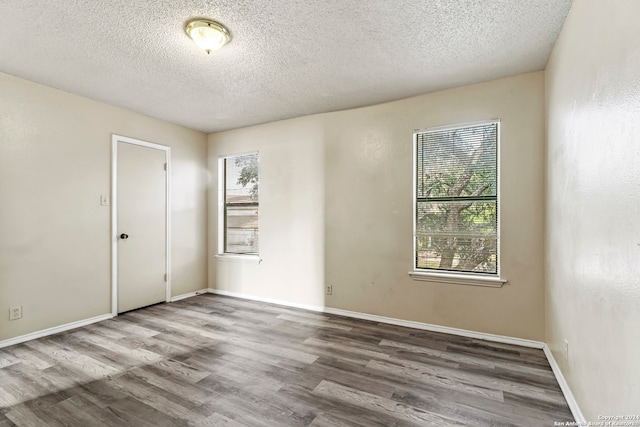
456,199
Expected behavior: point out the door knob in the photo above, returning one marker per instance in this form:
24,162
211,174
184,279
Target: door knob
124,236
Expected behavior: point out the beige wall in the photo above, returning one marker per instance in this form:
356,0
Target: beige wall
336,208
55,157
291,212
593,205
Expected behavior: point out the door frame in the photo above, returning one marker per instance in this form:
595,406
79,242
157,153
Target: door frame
115,139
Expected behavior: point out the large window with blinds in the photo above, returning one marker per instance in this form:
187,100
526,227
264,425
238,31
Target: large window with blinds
456,199
239,204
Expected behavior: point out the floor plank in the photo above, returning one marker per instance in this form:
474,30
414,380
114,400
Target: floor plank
219,361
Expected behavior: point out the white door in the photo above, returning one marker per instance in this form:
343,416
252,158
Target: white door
141,231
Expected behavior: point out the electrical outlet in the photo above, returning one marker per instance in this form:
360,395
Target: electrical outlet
566,351
329,290
15,313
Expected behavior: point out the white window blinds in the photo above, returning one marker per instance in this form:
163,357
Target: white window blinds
456,215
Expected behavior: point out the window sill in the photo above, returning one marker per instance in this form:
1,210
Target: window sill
458,279
253,259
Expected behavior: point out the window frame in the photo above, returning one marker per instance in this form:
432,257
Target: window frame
222,210
448,276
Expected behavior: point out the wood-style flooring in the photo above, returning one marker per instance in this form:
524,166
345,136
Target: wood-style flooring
219,361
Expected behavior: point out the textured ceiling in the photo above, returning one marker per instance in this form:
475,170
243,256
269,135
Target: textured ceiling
286,58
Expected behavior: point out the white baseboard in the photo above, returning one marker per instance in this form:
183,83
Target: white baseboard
188,295
564,386
267,300
390,320
54,330
437,328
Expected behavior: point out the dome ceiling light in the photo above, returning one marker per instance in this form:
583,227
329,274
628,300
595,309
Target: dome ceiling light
209,35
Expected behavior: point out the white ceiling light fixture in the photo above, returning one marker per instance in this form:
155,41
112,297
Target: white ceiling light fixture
209,35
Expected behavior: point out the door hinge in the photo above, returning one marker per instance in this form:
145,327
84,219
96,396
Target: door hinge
165,278
165,166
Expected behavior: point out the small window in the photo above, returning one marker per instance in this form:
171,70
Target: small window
239,204
456,199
